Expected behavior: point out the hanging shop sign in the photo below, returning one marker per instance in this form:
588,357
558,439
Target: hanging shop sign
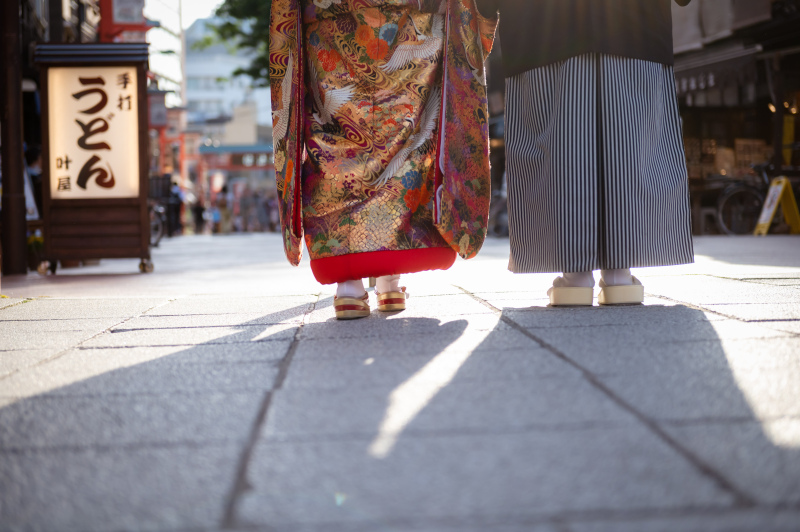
780,194
94,124
93,132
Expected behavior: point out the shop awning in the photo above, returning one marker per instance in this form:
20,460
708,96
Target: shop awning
705,21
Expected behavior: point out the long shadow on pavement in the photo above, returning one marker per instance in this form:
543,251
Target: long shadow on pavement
158,437
583,419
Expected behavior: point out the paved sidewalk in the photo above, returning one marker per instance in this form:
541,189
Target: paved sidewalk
219,392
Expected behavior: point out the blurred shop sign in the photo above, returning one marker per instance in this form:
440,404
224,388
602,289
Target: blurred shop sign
128,11
158,108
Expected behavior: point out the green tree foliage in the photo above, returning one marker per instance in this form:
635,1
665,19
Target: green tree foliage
244,25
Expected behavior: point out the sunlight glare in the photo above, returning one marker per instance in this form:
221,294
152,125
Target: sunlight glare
409,398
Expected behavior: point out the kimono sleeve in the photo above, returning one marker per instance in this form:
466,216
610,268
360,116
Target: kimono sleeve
286,82
463,181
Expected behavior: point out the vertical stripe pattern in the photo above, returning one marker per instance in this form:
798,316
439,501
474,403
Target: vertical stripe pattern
595,167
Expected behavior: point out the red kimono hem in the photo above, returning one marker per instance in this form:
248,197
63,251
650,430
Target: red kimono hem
378,263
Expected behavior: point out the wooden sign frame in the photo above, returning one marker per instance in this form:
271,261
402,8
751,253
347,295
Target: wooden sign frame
79,229
780,194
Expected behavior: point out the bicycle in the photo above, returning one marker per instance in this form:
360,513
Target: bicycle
739,206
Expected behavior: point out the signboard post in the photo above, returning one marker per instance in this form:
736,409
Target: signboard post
780,193
94,124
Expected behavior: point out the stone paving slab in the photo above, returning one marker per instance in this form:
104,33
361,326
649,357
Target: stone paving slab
610,338
470,407
53,340
189,336
685,394
409,524
204,320
729,521
13,361
762,459
50,309
439,305
137,488
480,476
759,312
381,368
27,329
707,357
784,281
640,316
91,374
706,289
53,421
117,357
273,308
792,327
323,325
450,337
9,301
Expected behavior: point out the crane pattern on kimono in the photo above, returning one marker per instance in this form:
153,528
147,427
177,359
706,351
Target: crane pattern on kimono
334,100
280,119
425,47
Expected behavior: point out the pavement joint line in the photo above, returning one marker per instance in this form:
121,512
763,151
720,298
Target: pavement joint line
422,434
185,393
231,326
718,313
741,499
18,303
201,344
700,307
241,483
131,446
727,420
552,518
62,352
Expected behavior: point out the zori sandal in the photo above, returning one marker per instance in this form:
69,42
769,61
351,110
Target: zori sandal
350,308
392,301
629,294
569,296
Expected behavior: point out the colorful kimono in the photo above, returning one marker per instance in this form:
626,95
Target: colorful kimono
365,174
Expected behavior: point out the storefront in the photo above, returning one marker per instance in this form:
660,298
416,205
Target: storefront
737,74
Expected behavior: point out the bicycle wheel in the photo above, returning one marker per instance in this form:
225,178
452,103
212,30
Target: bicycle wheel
156,228
738,210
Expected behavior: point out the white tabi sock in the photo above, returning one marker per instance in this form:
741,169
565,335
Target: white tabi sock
388,283
617,277
354,289
576,280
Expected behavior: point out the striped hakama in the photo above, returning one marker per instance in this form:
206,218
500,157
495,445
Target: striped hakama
595,167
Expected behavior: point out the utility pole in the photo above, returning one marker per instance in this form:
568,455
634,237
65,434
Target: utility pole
14,238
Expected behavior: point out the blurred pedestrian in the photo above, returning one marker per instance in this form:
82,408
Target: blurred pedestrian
174,205
274,213
224,203
198,212
384,190
33,164
595,163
